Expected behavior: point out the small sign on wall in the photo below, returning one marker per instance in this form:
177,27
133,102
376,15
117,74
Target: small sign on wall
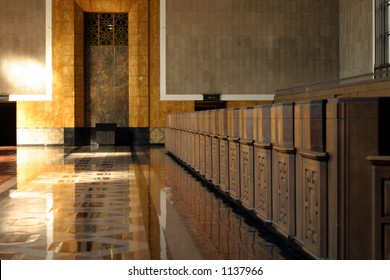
211,97
4,97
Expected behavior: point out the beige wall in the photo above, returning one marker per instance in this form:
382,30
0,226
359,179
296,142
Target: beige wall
249,47
356,37
44,122
290,48
23,47
158,109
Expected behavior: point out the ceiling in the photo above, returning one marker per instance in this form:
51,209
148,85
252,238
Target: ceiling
106,6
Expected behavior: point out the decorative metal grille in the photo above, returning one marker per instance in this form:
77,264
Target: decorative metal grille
106,29
382,37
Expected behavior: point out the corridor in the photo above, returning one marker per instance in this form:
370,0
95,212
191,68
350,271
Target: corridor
73,203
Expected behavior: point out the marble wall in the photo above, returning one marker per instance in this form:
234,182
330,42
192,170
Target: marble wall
356,37
37,121
249,47
23,47
159,109
107,85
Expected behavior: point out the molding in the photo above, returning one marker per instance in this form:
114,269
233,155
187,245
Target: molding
284,149
263,145
314,155
379,160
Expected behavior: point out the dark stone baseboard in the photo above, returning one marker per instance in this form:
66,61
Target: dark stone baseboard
124,136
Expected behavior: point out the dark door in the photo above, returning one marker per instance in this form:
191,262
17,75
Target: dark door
8,124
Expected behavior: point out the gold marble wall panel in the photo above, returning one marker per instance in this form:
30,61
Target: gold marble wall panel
60,112
78,66
107,6
139,64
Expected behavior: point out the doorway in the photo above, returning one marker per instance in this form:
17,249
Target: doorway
106,66
8,124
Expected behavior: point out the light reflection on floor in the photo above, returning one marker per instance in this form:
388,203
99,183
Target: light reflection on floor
117,203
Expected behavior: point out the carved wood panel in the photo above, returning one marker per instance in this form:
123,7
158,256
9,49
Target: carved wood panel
224,164
311,221
283,193
215,161
234,170
262,183
311,206
208,157
196,151
202,155
246,168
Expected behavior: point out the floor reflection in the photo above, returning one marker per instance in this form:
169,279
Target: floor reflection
118,203
196,223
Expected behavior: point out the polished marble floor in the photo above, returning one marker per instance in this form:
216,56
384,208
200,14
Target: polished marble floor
73,203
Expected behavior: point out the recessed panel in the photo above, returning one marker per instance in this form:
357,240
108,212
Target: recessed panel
25,49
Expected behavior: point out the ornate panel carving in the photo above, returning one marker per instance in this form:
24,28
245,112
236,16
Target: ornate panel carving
224,164
208,158
202,155
215,161
196,151
262,183
234,170
311,200
311,205
246,168
283,193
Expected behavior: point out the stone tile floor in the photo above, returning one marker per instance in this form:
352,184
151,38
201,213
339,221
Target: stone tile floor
71,203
